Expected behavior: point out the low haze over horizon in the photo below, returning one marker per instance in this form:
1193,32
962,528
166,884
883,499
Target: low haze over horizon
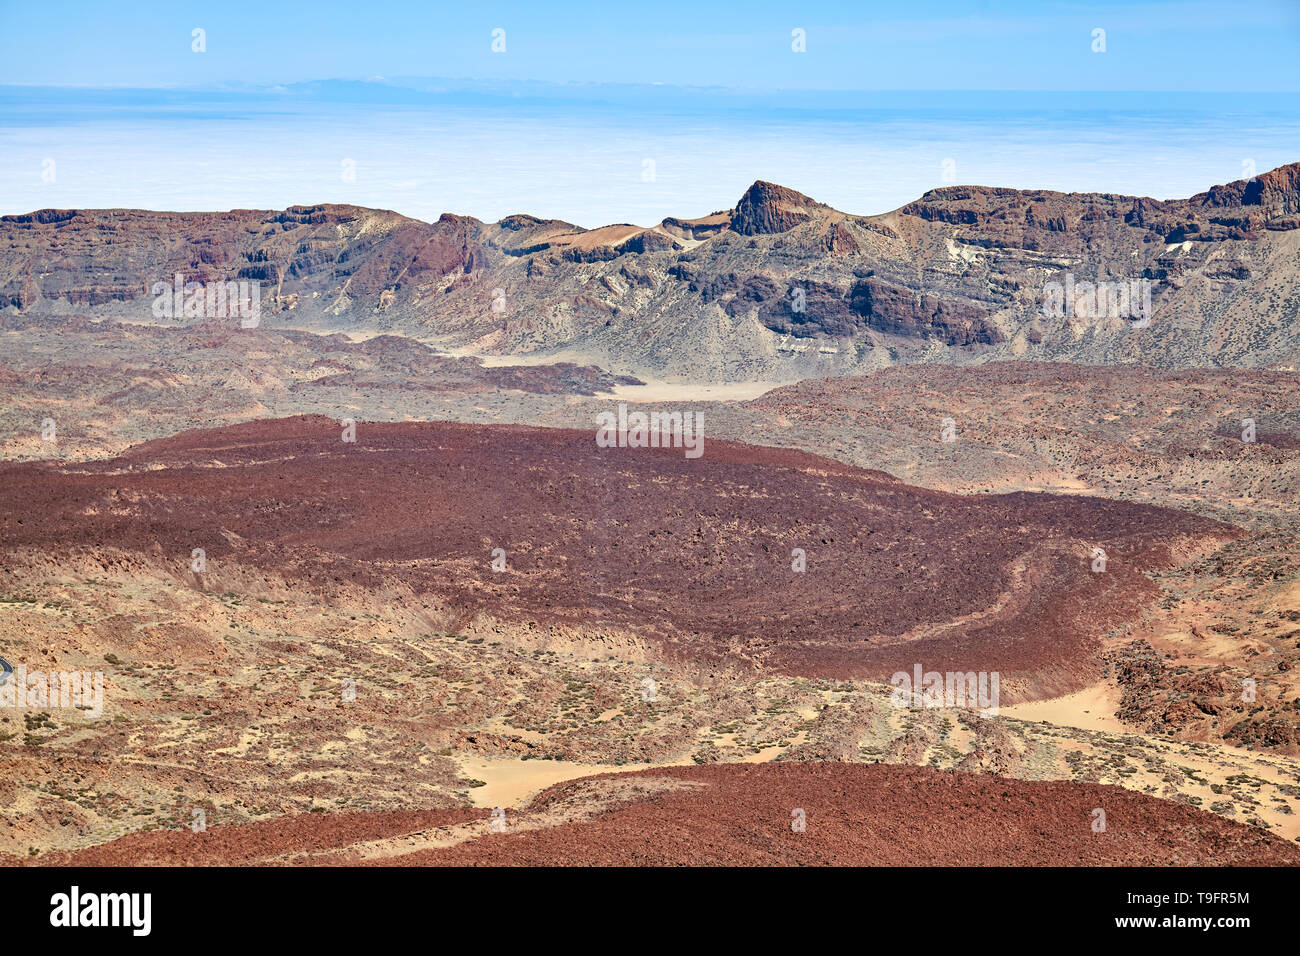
596,115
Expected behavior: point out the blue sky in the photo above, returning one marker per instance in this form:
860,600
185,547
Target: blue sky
1011,45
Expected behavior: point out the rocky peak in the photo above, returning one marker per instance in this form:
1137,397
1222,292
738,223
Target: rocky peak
767,208
1278,191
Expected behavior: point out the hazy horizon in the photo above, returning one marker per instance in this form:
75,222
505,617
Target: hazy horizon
636,155
597,114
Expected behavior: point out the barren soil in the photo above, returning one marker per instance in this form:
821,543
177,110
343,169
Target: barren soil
697,553
851,815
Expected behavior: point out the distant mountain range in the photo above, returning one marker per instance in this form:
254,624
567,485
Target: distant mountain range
777,287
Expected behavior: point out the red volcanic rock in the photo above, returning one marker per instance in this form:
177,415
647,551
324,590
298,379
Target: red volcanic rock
742,814
840,242
863,815
695,554
867,304
1278,190
768,208
901,311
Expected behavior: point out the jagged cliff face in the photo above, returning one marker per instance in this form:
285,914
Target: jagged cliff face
778,287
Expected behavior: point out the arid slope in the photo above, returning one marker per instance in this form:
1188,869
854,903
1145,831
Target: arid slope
745,815
699,555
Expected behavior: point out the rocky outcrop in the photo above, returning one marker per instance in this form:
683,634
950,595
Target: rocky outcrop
840,241
767,208
1276,191
697,229
95,257
953,321
964,268
807,308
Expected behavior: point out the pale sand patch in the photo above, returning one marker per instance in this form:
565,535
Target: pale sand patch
658,391
353,337
1289,600
1063,485
511,782
654,390
1203,647
1092,708
522,358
